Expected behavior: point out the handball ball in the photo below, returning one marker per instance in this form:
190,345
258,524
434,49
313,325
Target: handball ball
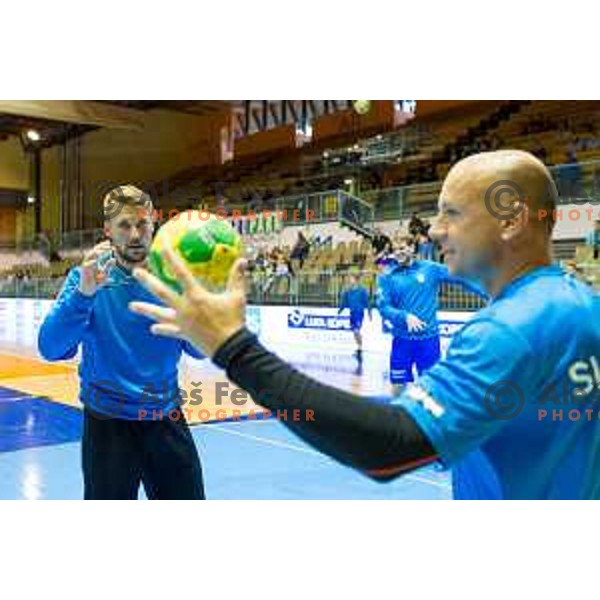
362,107
209,247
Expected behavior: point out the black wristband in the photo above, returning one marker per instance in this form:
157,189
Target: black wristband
236,344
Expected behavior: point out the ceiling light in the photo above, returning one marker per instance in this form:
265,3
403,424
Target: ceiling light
33,135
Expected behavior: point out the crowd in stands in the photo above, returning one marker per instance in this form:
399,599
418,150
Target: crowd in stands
576,135
574,138
475,146
21,277
275,268
281,262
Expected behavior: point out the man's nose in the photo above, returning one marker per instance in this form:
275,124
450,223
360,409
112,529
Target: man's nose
134,233
437,230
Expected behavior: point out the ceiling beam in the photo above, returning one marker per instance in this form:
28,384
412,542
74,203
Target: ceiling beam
76,111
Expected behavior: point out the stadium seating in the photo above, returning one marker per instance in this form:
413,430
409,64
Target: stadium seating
401,172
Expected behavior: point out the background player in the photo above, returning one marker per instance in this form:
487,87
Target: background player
356,300
407,298
128,437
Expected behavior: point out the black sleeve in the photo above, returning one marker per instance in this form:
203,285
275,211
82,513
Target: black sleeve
380,440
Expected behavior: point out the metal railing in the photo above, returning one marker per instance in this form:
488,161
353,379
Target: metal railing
355,213
27,245
381,148
395,203
322,288
37,287
324,206
577,183
80,239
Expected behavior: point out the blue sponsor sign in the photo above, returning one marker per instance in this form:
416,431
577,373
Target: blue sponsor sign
445,328
450,328
298,319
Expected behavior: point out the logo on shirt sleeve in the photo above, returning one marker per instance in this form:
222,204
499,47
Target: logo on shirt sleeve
432,406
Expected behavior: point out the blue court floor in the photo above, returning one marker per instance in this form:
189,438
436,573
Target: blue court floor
40,459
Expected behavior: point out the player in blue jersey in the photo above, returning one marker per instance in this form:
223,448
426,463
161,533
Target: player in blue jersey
485,409
407,299
356,299
132,429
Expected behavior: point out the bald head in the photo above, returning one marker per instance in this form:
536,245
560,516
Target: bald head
495,213
507,181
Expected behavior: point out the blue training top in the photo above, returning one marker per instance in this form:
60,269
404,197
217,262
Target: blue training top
513,407
124,368
356,299
414,289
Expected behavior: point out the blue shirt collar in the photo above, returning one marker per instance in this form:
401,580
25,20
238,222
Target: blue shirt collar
525,278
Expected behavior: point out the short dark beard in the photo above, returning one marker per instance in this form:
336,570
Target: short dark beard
126,258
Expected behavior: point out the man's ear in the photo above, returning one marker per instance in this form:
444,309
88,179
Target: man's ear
516,225
106,231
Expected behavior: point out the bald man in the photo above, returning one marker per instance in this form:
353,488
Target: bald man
497,409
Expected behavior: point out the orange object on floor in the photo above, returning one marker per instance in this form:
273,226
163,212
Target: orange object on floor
15,366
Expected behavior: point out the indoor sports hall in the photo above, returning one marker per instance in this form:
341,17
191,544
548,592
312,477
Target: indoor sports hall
320,195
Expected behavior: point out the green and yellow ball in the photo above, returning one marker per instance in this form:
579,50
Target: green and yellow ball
208,246
362,107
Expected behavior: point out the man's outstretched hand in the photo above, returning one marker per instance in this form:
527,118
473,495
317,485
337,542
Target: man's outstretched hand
205,319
